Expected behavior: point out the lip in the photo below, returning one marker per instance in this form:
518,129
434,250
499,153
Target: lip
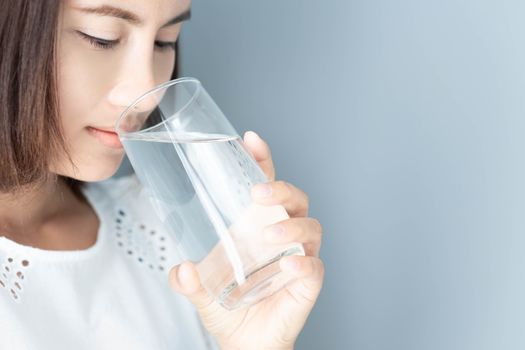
107,136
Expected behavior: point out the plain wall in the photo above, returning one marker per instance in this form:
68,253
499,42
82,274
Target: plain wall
404,122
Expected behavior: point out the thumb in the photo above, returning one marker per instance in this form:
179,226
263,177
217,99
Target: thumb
261,152
185,280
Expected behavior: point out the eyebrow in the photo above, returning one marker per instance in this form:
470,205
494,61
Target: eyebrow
107,10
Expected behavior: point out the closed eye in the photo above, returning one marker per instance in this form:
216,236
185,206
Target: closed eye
98,42
165,45
106,44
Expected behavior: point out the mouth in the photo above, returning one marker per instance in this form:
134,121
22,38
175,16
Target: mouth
107,136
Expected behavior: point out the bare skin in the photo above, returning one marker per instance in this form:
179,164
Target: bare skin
51,218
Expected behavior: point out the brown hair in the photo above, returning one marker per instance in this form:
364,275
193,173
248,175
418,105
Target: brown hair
29,126
30,129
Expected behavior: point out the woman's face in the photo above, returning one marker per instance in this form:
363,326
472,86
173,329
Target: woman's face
109,53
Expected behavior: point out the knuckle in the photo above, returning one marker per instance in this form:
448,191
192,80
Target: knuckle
300,230
312,266
317,225
306,202
285,188
320,267
306,198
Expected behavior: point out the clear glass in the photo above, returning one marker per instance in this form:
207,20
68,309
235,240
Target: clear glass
198,176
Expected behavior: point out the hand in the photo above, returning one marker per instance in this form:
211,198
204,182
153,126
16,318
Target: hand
275,322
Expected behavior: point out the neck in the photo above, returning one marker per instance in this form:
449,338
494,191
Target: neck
27,210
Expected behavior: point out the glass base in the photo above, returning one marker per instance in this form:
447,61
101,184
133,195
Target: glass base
260,283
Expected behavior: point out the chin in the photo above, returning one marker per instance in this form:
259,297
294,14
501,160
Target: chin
93,172
96,176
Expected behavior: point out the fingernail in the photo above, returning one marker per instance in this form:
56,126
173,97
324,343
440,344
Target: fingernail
262,190
180,273
251,134
274,233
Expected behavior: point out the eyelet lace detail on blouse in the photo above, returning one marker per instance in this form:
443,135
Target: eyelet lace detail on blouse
13,273
140,242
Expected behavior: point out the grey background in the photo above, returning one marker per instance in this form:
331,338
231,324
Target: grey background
403,121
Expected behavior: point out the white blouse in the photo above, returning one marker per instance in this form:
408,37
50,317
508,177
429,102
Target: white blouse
113,295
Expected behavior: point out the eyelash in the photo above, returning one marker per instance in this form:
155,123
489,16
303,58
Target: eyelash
111,44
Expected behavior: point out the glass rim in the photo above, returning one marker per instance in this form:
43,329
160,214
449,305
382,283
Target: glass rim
154,90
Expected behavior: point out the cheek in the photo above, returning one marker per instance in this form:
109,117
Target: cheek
80,86
81,83
163,67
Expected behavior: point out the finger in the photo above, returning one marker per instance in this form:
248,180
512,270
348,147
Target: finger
261,152
308,273
303,230
184,279
294,200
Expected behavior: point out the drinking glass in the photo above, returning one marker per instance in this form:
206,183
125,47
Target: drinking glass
198,177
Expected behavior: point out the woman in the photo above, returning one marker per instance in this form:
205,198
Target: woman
81,259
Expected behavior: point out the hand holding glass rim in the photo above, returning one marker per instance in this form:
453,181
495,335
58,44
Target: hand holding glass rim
199,176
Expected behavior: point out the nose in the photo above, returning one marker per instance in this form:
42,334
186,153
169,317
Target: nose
127,91
137,78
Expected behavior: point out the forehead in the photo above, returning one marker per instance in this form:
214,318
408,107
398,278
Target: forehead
146,11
